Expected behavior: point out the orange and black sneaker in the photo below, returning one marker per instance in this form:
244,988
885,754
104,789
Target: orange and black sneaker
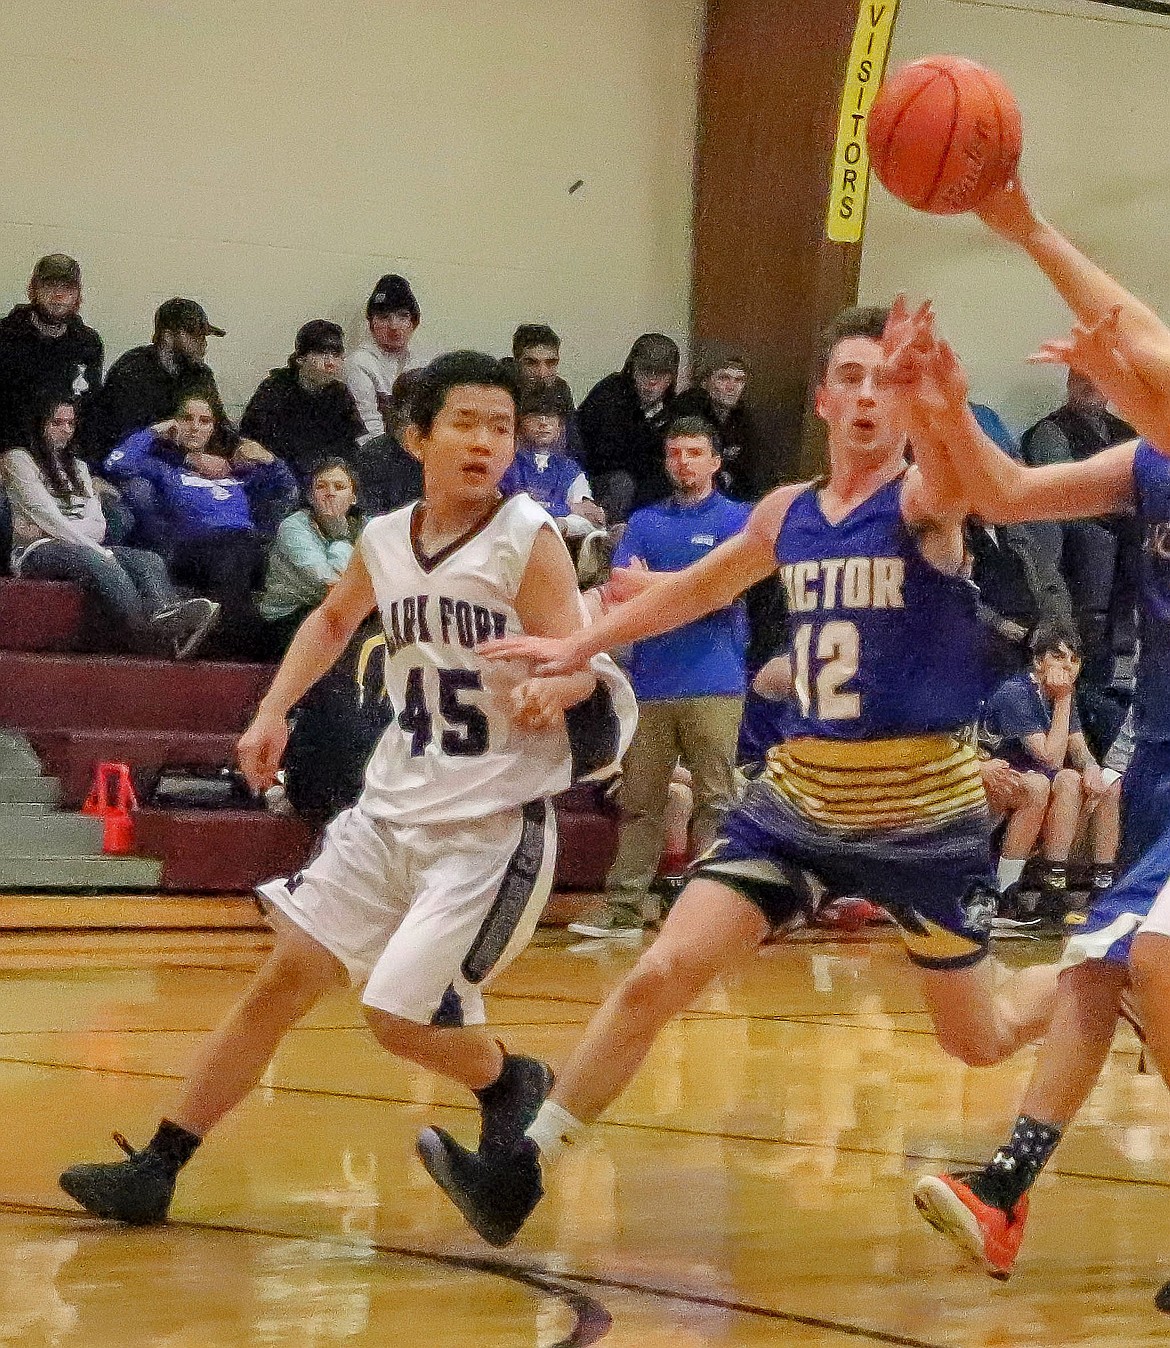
982,1231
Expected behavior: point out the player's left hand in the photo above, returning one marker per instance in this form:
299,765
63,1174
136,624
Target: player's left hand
261,748
536,704
546,655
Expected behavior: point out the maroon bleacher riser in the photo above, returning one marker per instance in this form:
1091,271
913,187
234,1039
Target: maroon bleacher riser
78,710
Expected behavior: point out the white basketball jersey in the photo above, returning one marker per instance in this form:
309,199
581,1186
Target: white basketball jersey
453,751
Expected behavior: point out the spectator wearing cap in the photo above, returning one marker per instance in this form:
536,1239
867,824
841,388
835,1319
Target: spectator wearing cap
146,384
393,315
46,350
623,423
388,474
303,412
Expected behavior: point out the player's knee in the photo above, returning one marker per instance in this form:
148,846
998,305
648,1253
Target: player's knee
1066,785
1149,967
657,988
973,1047
301,972
1036,789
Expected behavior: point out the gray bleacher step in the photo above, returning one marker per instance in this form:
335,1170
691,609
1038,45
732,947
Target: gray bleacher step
50,835
86,873
17,756
29,790
22,809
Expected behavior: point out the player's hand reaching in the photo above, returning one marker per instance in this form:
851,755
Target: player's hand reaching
546,655
539,704
261,748
928,380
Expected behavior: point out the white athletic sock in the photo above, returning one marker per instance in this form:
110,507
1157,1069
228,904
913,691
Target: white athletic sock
553,1130
1008,873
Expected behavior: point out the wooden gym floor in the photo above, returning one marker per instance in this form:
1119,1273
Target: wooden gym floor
752,1188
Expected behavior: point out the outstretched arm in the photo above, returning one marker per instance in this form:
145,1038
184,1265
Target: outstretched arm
673,601
931,400
1138,335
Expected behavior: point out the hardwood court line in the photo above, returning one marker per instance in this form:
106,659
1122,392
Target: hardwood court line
543,1280
673,1130
297,1029
592,1322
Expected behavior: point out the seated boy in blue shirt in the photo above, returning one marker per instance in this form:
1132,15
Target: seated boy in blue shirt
1032,721
544,470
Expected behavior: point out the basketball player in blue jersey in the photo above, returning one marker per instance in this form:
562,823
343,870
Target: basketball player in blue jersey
1125,349
874,790
433,882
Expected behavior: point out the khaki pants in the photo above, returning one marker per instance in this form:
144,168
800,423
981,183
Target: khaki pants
701,732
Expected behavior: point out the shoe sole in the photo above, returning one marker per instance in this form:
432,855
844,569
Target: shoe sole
600,933
942,1208
108,1214
432,1152
191,644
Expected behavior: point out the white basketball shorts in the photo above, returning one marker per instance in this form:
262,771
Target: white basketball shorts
412,910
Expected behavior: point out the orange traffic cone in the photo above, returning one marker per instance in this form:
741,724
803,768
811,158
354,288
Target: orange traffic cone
112,798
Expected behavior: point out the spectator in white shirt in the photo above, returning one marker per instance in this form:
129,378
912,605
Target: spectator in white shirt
393,316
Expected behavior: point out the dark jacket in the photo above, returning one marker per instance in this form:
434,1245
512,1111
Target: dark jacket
744,476
34,367
300,427
388,477
1069,433
616,435
140,391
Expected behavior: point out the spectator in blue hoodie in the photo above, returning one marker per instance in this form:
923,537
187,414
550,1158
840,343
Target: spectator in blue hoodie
208,484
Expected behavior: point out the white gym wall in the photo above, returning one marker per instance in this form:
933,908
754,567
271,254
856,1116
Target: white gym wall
272,159
1091,82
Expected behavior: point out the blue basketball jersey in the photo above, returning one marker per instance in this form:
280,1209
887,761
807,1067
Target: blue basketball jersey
1151,478
882,643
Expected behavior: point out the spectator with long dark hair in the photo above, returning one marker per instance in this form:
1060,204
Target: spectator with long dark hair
209,484
59,534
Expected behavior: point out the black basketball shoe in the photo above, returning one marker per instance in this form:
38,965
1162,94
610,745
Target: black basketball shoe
510,1103
138,1190
494,1192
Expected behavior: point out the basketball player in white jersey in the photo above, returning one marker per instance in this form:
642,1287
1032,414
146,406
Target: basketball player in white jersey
433,882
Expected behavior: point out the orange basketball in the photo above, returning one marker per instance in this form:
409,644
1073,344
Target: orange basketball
942,133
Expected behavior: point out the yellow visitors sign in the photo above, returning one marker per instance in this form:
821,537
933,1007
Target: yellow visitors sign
867,65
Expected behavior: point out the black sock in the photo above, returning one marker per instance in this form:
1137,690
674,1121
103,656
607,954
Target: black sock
174,1145
1013,1169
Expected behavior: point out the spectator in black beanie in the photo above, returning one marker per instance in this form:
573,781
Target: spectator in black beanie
623,423
303,412
393,315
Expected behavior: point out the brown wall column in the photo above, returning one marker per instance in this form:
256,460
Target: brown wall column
766,279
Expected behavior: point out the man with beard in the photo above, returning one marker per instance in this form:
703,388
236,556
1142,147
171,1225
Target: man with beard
46,350
146,384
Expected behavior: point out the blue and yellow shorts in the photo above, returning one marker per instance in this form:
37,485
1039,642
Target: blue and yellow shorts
903,822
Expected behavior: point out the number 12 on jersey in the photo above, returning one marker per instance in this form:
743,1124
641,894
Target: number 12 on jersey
837,656
466,735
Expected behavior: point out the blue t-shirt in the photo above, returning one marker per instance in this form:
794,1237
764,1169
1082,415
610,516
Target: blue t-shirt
1018,708
546,476
705,658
